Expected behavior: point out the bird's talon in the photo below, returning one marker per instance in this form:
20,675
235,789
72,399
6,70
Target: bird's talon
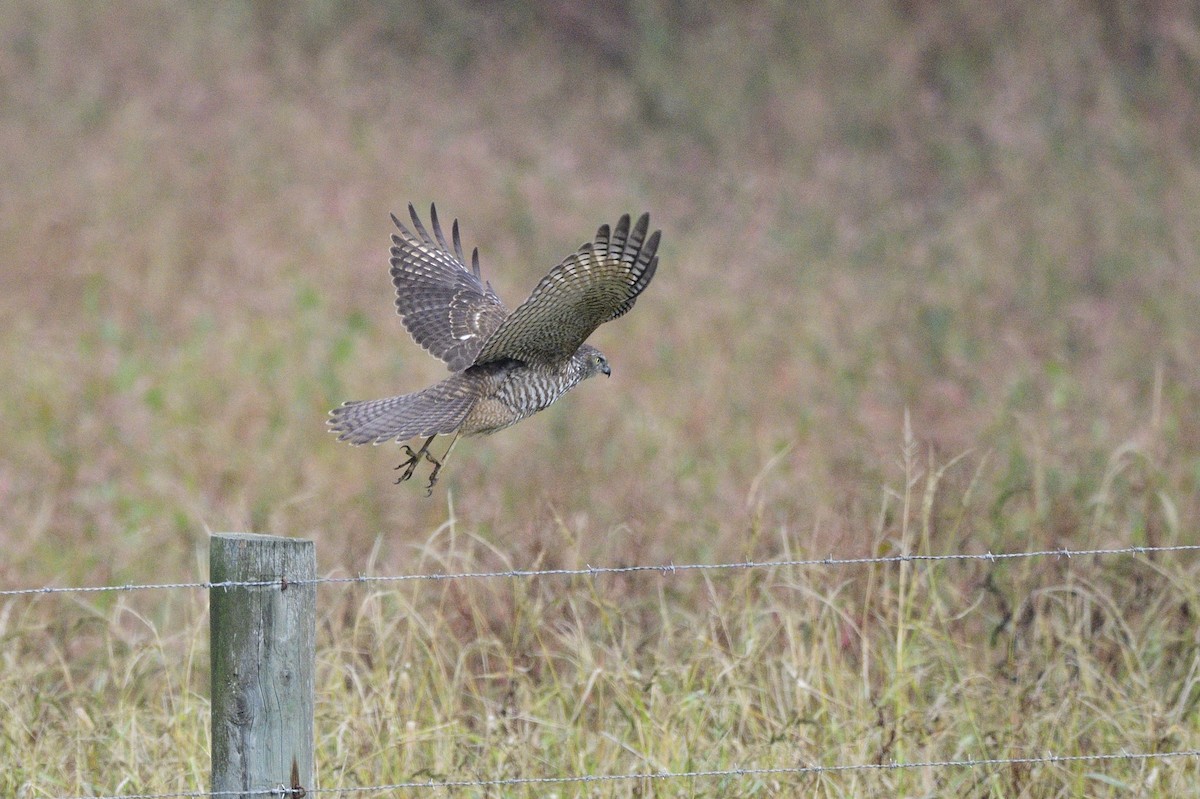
433,476
414,458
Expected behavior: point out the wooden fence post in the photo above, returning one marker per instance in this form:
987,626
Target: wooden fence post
262,640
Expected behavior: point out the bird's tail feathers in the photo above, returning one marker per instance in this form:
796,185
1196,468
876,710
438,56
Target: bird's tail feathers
437,410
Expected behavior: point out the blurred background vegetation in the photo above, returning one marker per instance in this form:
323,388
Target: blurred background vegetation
985,215
981,214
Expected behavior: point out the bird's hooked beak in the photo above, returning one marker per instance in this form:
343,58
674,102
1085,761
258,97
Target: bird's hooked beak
607,371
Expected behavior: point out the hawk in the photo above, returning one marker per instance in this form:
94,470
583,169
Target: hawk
506,365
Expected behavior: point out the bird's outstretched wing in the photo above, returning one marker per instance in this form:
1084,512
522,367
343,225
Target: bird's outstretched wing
448,309
594,285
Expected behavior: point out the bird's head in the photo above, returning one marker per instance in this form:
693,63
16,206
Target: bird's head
593,361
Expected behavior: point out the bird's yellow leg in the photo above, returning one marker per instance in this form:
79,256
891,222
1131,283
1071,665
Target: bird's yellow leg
438,464
414,458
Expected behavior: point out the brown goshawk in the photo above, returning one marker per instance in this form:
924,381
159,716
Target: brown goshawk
506,365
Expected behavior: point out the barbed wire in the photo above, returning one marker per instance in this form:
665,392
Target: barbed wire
503,782
595,571
285,792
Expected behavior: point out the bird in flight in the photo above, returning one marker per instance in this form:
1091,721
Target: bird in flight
506,365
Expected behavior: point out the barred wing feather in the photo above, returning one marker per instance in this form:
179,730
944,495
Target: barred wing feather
446,307
594,285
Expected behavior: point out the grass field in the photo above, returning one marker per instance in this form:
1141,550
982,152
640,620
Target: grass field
980,218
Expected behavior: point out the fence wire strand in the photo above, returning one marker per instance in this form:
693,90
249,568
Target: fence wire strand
594,571
663,569
778,771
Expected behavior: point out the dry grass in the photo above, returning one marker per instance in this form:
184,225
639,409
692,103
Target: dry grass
982,216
